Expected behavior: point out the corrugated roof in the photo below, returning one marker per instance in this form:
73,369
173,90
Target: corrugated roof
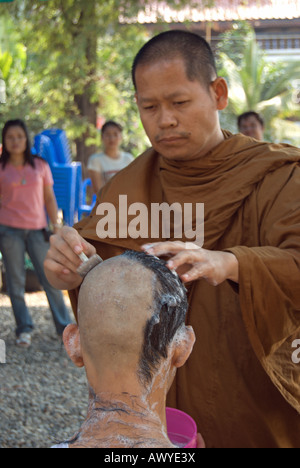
224,10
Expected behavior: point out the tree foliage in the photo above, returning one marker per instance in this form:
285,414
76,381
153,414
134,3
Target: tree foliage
66,63
13,56
257,84
78,67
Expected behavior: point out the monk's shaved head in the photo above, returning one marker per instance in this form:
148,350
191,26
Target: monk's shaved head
129,310
193,49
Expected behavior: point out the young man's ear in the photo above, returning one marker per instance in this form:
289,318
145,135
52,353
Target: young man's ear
71,339
184,347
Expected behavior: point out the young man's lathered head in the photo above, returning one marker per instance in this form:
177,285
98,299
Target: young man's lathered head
131,337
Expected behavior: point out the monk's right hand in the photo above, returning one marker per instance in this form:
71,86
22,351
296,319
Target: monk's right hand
62,259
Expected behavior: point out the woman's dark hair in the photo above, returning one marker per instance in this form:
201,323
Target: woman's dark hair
111,123
29,157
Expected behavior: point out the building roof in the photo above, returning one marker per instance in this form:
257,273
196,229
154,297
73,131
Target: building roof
224,10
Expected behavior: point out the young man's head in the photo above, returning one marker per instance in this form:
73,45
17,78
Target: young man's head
179,94
132,333
251,124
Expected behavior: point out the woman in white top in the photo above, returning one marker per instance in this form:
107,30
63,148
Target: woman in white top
103,166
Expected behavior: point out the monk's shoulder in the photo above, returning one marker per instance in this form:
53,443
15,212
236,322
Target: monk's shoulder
280,188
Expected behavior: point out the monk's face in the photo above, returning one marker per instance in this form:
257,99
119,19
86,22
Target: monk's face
180,116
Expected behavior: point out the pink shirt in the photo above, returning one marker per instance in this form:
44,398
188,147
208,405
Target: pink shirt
22,202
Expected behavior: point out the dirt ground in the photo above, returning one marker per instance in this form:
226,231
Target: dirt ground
43,396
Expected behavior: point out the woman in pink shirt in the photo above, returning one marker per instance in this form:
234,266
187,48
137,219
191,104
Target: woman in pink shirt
26,194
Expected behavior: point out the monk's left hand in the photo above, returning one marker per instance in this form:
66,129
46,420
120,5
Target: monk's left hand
191,262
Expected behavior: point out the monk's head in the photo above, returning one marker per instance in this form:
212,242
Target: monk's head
191,48
131,319
179,94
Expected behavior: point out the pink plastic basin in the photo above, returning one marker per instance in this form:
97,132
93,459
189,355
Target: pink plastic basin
182,429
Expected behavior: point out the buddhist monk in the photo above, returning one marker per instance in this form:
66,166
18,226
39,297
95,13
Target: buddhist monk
131,337
240,383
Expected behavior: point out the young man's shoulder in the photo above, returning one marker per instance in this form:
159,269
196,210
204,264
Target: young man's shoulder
141,166
127,156
142,160
98,155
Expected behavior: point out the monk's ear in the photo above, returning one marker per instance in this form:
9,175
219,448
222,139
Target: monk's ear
184,344
220,90
71,339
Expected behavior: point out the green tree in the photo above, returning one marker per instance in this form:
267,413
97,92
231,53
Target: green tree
61,37
260,85
78,66
116,51
13,57
64,83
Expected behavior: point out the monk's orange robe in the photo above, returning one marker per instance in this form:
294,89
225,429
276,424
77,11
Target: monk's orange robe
240,384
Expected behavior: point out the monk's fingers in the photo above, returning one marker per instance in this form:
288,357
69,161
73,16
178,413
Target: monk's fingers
76,242
195,273
187,257
61,252
202,271
88,248
168,248
58,269
66,246
163,248
214,267
57,262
